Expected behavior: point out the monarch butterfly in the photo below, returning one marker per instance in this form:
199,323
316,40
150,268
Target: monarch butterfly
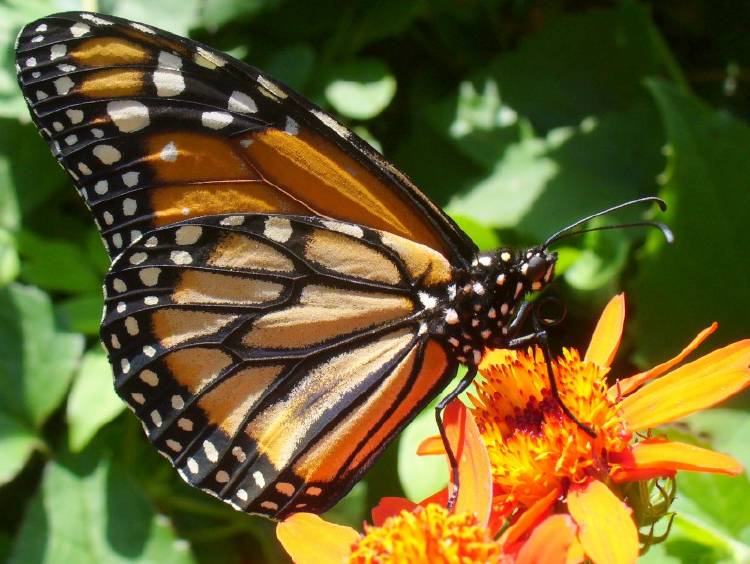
281,300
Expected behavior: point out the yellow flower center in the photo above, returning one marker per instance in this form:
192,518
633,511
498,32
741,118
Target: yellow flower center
429,534
533,447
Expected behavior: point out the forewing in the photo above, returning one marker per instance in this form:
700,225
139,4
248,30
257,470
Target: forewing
272,358
155,128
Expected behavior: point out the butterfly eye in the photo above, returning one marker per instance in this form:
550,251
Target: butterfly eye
536,269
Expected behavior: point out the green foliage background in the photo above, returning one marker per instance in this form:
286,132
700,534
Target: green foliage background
517,116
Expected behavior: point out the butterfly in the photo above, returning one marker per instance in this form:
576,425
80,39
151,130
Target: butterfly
281,300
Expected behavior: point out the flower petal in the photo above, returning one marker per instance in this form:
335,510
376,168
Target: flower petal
309,539
431,445
529,518
606,338
690,388
621,475
550,541
440,498
606,528
673,455
626,386
389,506
474,470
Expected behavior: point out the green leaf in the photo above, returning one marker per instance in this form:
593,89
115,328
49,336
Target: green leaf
216,13
9,261
92,402
378,20
81,314
421,476
89,511
17,442
28,173
712,511
590,63
56,265
292,65
681,288
540,184
360,89
36,365
37,361
177,16
725,430
486,239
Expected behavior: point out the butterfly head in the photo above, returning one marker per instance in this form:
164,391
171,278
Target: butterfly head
535,267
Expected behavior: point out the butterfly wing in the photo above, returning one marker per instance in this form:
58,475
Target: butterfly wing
155,128
271,358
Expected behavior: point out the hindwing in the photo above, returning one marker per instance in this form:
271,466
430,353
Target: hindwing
155,128
271,358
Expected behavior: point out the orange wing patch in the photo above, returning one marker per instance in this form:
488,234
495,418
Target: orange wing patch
333,184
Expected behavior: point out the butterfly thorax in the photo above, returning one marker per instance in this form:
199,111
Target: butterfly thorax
485,298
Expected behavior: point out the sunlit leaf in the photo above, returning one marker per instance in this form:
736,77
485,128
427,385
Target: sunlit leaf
92,402
682,287
361,89
88,511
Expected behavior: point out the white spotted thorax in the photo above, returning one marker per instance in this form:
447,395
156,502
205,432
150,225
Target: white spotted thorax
484,300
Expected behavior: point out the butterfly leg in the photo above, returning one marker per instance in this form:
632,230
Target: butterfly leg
453,394
539,337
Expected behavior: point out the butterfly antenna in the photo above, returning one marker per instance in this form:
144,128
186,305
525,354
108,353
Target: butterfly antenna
571,230
666,231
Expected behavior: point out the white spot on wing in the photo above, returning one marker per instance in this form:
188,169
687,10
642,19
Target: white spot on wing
216,120
174,445
203,56
57,51
291,127
268,87
129,206
63,85
188,234
128,115
167,77
149,276
180,257
260,481
278,229
241,103
75,116
107,154
169,152
332,123
192,465
346,228
233,220
95,19
130,179
211,453
141,27
138,258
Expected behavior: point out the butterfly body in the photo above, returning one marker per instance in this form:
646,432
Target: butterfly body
281,300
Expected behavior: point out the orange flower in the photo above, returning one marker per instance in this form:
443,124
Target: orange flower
410,533
543,462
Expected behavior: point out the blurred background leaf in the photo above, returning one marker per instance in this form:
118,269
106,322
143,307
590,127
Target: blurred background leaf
518,117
